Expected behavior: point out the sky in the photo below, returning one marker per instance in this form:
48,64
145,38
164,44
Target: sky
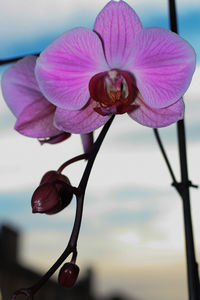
132,231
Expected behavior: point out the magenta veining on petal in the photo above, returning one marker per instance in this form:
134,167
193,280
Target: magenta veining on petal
101,72
77,85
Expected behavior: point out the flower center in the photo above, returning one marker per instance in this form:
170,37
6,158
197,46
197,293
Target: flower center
116,86
113,92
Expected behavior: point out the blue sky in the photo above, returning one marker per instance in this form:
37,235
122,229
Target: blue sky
132,216
22,35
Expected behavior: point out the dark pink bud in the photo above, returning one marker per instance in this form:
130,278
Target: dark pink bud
68,275
52,195
52,176
45,198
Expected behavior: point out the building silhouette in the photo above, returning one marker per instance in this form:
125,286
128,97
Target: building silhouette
14,276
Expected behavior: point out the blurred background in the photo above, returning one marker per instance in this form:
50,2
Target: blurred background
131,244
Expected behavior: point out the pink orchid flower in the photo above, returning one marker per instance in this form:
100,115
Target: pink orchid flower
119,67
34,113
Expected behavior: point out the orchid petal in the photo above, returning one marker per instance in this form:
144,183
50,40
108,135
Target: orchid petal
62,136
19,85
36,120
66,66
117,25
156,118
22,94
163,64
81,121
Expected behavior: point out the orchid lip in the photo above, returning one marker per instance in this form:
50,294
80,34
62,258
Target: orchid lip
113,92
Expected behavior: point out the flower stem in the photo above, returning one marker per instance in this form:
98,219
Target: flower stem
73,160
14,59
72,244
158,139
192,267
84,180
93,154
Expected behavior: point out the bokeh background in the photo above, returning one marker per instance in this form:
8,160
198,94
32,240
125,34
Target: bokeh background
132,232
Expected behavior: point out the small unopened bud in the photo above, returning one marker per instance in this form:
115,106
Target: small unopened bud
52,176
45,198
68,275
52,195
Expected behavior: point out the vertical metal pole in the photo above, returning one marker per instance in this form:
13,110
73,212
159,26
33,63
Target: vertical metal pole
192,267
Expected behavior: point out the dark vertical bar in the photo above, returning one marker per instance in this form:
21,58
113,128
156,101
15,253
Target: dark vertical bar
192,267
172,16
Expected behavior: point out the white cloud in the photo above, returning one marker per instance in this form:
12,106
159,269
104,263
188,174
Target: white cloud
128,237
24,19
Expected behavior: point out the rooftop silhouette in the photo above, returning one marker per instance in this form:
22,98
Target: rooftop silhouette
14,275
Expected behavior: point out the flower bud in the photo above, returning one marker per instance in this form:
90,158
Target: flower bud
52,195
45,198
68,275
52,176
